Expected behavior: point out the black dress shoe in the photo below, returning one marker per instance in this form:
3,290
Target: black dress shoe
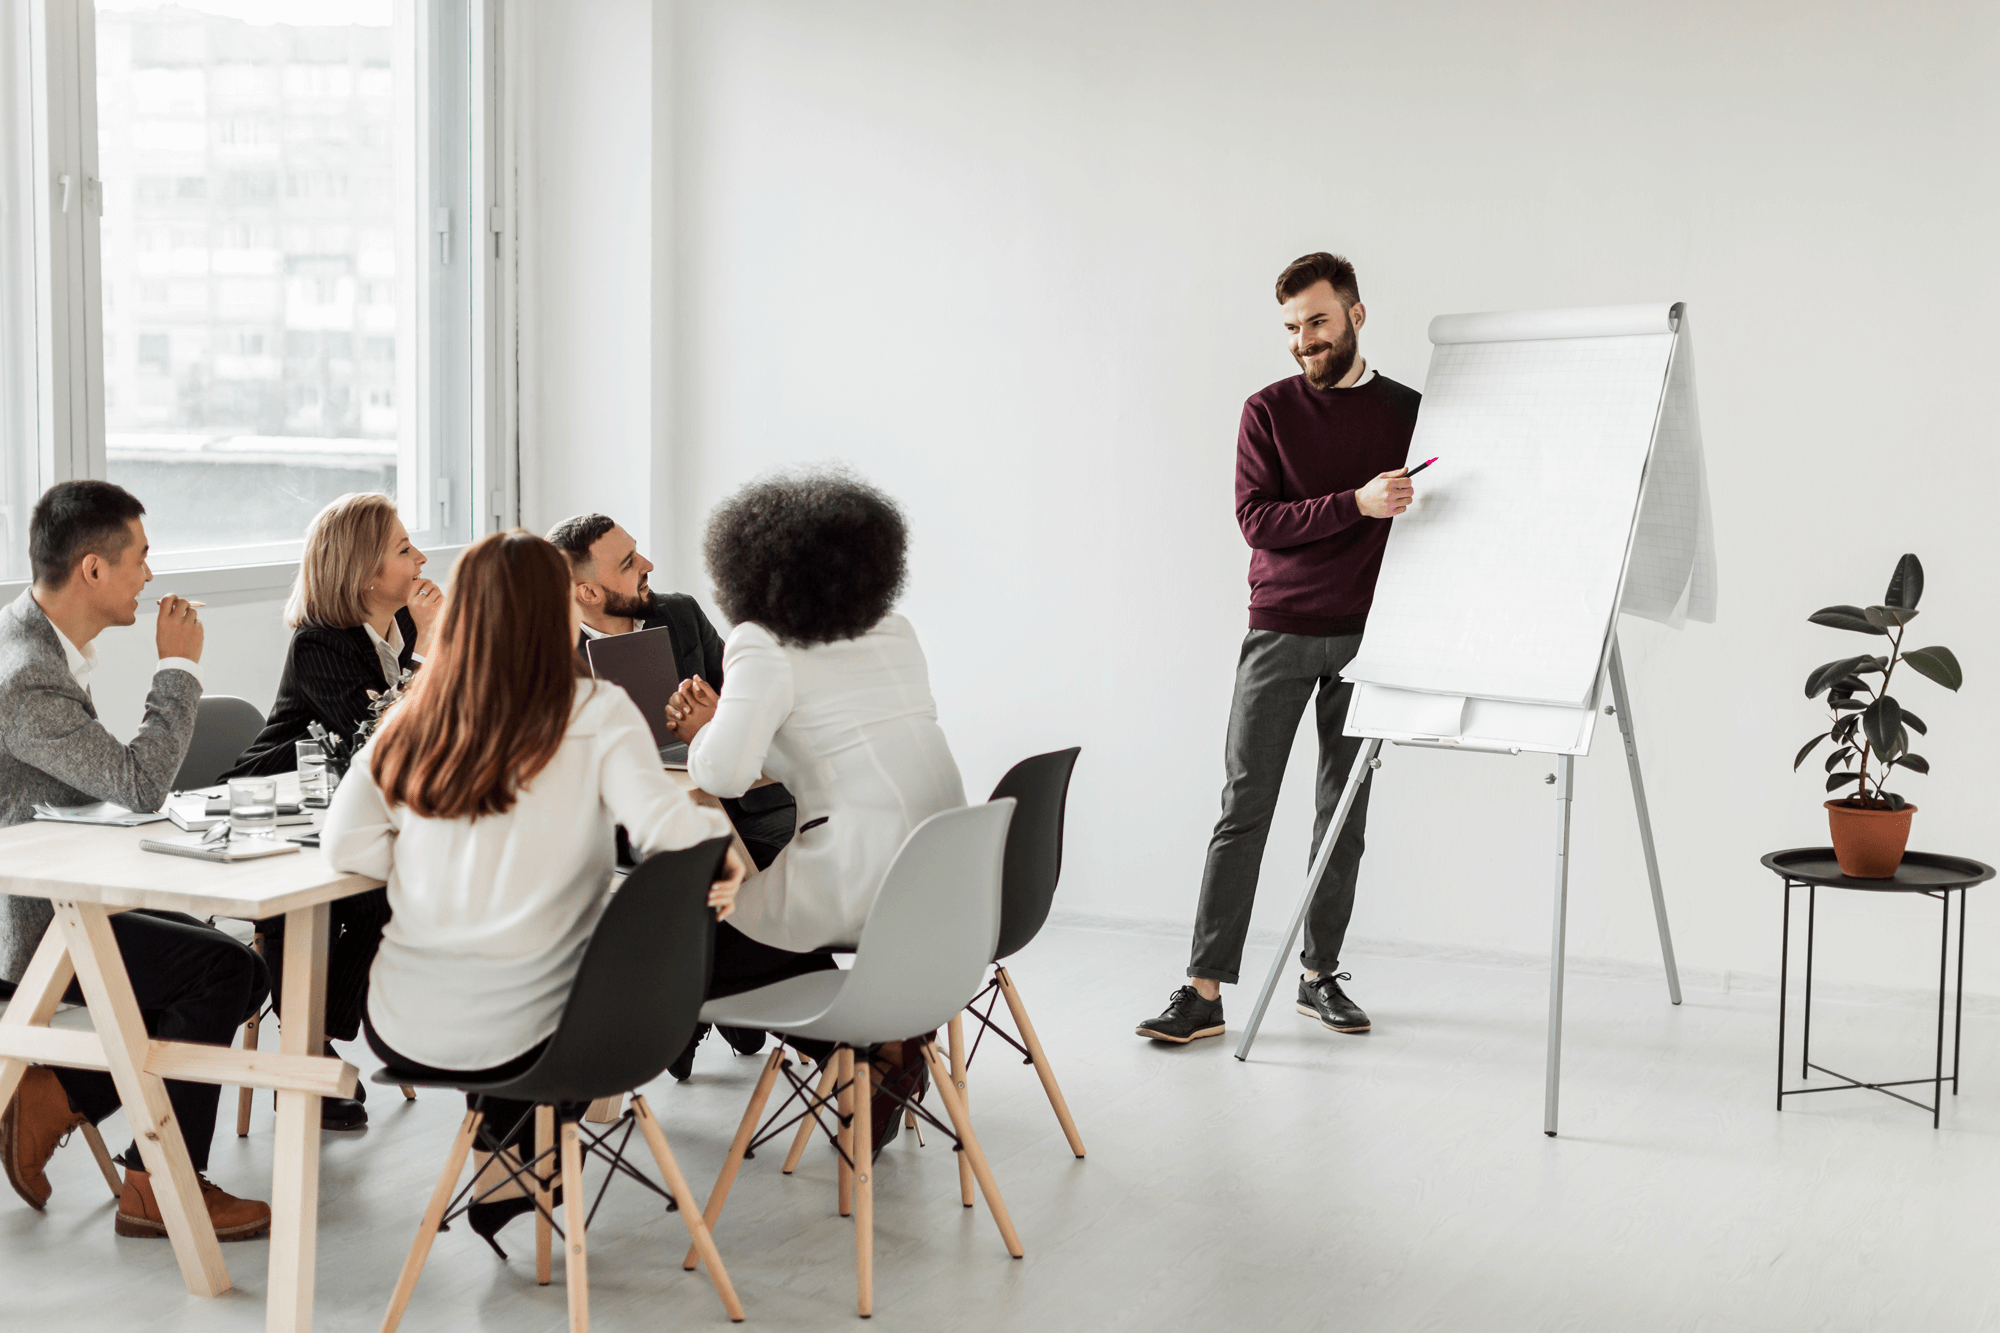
1188,1017
1325,1000
682,1065
910,1080
743,1041
486,1219
342,1113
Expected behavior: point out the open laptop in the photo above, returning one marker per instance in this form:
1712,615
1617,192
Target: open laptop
642,664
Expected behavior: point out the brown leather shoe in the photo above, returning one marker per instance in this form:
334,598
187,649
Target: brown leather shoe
232,1218
34,1126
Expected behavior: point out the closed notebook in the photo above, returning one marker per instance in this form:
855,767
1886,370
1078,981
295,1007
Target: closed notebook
219,805
221,849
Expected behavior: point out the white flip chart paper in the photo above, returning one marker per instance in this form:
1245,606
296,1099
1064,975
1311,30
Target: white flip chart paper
1501,582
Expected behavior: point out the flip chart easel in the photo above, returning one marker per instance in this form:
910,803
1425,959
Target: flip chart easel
1603,401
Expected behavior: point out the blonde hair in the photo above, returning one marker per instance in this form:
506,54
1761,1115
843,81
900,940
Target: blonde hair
345,545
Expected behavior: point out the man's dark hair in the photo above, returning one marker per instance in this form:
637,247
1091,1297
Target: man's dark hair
1319,266
813,557
74,519
575,536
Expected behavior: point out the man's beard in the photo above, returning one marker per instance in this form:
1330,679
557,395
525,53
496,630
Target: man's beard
629,608
1336,366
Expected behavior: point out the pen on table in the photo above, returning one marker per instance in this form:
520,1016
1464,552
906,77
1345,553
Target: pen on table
1411,473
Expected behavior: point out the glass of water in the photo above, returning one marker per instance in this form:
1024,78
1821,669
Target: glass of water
313,789
253,808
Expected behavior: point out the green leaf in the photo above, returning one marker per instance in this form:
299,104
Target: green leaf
1811,745
1895,802
1906,585
1843,704
1845,617
1843,730
1915,723
1938,664
1916,763
1883,721
1836,759
1888,617
1839,780
1829,672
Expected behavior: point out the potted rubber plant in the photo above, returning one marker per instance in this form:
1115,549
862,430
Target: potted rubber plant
1870,730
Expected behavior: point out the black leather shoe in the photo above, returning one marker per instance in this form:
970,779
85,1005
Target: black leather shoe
1188,1018
743,1041
1325,1000
342,1113
682,1067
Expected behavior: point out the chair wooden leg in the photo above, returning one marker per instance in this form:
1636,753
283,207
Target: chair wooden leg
811,1122
958,1080
961,1122
844,1061
409,1093
864,1191
575,1207
740,1146
103,1156
250,1029
545,1139
1026,1027
605,1111
447,1185
690,1208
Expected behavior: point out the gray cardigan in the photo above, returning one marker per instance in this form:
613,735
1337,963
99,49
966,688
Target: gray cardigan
53,748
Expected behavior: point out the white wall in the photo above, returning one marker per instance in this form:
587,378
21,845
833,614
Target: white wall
1014,263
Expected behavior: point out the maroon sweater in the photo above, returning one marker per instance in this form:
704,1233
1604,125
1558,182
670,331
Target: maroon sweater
1301,453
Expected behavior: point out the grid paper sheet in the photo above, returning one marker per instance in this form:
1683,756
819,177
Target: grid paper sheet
1672,579
1501,581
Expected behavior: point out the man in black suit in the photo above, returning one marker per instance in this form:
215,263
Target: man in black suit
612,585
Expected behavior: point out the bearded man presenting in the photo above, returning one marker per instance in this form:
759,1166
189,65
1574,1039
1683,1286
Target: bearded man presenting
1319,473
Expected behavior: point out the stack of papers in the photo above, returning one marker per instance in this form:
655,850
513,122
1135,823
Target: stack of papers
221,849
98,812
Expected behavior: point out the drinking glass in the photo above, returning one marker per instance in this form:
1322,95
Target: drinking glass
253,807
313,790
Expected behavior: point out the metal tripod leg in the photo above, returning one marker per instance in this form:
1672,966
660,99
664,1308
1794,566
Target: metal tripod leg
1363,761
1565,774
1623,700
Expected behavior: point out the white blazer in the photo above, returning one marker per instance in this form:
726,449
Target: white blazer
491,915
851,728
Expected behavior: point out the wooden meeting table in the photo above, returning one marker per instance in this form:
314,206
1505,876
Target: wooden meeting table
88,873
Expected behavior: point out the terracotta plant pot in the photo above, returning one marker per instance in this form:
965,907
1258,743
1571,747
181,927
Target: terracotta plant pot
1868,843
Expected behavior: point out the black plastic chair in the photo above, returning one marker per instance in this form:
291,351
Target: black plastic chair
1040,788
224,726
630,1010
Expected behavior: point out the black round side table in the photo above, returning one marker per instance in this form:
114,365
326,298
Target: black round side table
1926,873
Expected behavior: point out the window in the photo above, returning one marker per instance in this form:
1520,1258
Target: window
279,191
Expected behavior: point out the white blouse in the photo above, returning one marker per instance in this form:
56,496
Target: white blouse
491,915
851,728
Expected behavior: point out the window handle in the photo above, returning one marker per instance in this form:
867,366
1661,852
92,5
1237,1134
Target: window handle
66,182
444,235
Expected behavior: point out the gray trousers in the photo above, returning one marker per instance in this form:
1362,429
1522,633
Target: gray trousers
1275,676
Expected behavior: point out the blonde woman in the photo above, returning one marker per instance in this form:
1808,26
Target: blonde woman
361,613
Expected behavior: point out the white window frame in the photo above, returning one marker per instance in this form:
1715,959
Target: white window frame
464,494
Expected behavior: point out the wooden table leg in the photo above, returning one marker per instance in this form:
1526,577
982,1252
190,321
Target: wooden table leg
100,971
295,1155
35,1001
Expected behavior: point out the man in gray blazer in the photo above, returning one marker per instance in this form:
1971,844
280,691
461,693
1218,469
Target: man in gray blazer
88,548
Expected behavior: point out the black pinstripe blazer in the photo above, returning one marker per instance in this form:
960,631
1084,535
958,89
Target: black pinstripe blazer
328,673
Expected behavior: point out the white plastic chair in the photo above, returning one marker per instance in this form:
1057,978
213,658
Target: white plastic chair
928,940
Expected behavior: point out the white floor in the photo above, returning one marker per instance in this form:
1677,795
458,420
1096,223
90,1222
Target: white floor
1388,1182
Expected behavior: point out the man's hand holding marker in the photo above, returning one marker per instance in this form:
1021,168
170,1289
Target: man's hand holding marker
1391,493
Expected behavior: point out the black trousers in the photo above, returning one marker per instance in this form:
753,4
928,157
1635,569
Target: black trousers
1276,675
355,927
193,983
505,1118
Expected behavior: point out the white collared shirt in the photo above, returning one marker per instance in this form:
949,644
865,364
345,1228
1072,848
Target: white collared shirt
590,633
389,652
82,661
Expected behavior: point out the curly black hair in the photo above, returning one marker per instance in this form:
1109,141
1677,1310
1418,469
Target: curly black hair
813,557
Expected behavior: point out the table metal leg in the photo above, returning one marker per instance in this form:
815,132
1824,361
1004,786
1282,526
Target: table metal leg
1958,1017
1364,759
1558,944
114,1010
1944,965
295,1160
1784,966
1805,1039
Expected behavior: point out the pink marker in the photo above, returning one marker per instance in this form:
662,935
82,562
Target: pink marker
1420,467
